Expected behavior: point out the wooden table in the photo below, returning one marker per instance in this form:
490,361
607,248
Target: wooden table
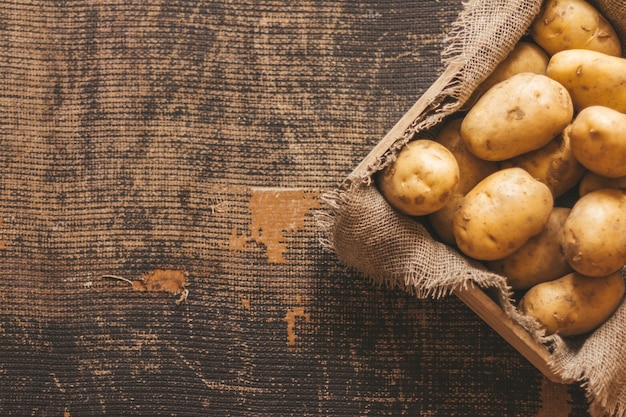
199,136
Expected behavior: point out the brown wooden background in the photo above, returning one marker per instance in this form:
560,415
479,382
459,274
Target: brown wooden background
199,135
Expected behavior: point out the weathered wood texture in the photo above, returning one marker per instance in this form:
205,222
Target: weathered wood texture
199,135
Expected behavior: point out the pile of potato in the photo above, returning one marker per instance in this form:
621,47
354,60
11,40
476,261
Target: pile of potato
530,178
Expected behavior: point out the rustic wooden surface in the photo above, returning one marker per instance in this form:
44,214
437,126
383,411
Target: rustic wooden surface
199,136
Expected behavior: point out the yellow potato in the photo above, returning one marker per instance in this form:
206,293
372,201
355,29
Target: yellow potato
573,304
525,57
421,180
472,169
540,259
441,220
573,24
594,233
598,140
592,181
518,115
501,213
591,78
553,164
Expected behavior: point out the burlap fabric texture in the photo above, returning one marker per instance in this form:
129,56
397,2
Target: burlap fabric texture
396,251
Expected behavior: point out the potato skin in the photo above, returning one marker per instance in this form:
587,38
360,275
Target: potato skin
540,259
525,57
594,233
421,180
553,164
574,304
518,115
442,219
472,169
501,213
573,24
592,181
598,140
591,78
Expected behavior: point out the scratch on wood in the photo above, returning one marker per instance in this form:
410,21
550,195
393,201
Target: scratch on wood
217,205
57,383
213,385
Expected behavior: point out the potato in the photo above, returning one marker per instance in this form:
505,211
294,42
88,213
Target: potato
421,180
594,233
472,169
553,164
598,140
516,116
501,213
525,57
592,181
441,220
540,259
573,304
573,24
591,78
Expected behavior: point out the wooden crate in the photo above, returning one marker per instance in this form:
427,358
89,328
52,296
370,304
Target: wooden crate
475,298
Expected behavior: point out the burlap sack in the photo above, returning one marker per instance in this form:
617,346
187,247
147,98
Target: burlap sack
396,251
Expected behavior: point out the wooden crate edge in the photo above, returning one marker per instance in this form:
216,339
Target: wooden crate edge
492,314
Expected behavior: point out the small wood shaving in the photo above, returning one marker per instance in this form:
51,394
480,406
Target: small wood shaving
171,281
